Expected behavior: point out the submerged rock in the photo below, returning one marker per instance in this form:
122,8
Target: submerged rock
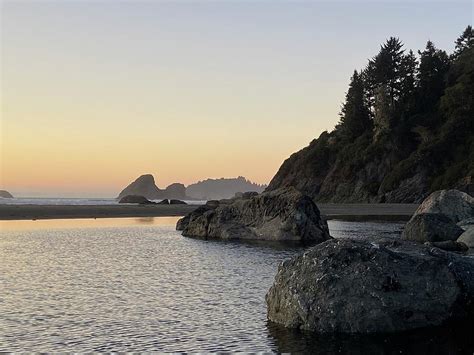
136,199
431,227
349,286
280,215
5,194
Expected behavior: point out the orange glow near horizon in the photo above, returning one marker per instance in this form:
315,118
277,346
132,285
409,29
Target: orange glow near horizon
96,93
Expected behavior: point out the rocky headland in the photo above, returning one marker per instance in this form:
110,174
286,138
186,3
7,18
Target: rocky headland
217,189
398,139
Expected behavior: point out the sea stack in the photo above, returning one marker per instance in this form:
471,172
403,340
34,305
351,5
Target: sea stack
145,186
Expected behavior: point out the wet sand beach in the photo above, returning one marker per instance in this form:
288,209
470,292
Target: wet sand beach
352,212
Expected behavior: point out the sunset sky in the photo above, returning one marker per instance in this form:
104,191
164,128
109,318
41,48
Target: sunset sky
95,93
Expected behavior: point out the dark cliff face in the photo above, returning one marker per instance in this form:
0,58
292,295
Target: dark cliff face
332,170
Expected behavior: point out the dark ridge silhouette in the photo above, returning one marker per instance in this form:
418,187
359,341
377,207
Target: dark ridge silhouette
216,189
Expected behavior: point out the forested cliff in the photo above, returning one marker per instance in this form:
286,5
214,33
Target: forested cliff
405,130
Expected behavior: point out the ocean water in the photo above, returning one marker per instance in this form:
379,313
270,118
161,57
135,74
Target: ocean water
135,284
71,201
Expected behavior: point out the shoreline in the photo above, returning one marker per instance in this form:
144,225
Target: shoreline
356,212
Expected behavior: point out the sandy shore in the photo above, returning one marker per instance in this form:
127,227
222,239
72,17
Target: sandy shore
352,212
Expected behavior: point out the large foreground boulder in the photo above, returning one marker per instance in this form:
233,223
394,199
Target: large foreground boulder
431,227
280,215
454,204
349,286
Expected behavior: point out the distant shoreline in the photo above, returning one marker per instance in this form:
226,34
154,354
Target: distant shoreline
348,212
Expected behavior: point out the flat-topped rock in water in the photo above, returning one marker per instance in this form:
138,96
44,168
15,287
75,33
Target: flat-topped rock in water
136,199
280,215
349,286
5,194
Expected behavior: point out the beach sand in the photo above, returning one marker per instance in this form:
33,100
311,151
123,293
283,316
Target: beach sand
351,212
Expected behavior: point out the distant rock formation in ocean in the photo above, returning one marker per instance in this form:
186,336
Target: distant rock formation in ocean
216,189
5,194
145,186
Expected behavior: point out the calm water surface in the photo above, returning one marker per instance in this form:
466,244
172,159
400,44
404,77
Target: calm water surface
138,285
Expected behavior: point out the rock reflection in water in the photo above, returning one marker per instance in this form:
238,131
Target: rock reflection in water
446,340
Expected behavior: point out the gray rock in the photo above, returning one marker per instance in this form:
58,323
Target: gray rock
431,227
466,223
467,237
280,215
5,194
449,245
136,199
454,204
349,286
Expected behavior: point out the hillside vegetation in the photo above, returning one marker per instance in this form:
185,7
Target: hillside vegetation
405,130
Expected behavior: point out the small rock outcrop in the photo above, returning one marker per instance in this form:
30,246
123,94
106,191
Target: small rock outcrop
467,237
5,194
280,215
136,199
454,204
177,202
431,227
353,286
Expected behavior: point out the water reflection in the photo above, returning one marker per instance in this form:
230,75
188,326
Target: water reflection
11,225
454,339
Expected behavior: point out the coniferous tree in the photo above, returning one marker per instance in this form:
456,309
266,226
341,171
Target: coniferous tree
434,65
385,70
465,41
355,115
408,73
